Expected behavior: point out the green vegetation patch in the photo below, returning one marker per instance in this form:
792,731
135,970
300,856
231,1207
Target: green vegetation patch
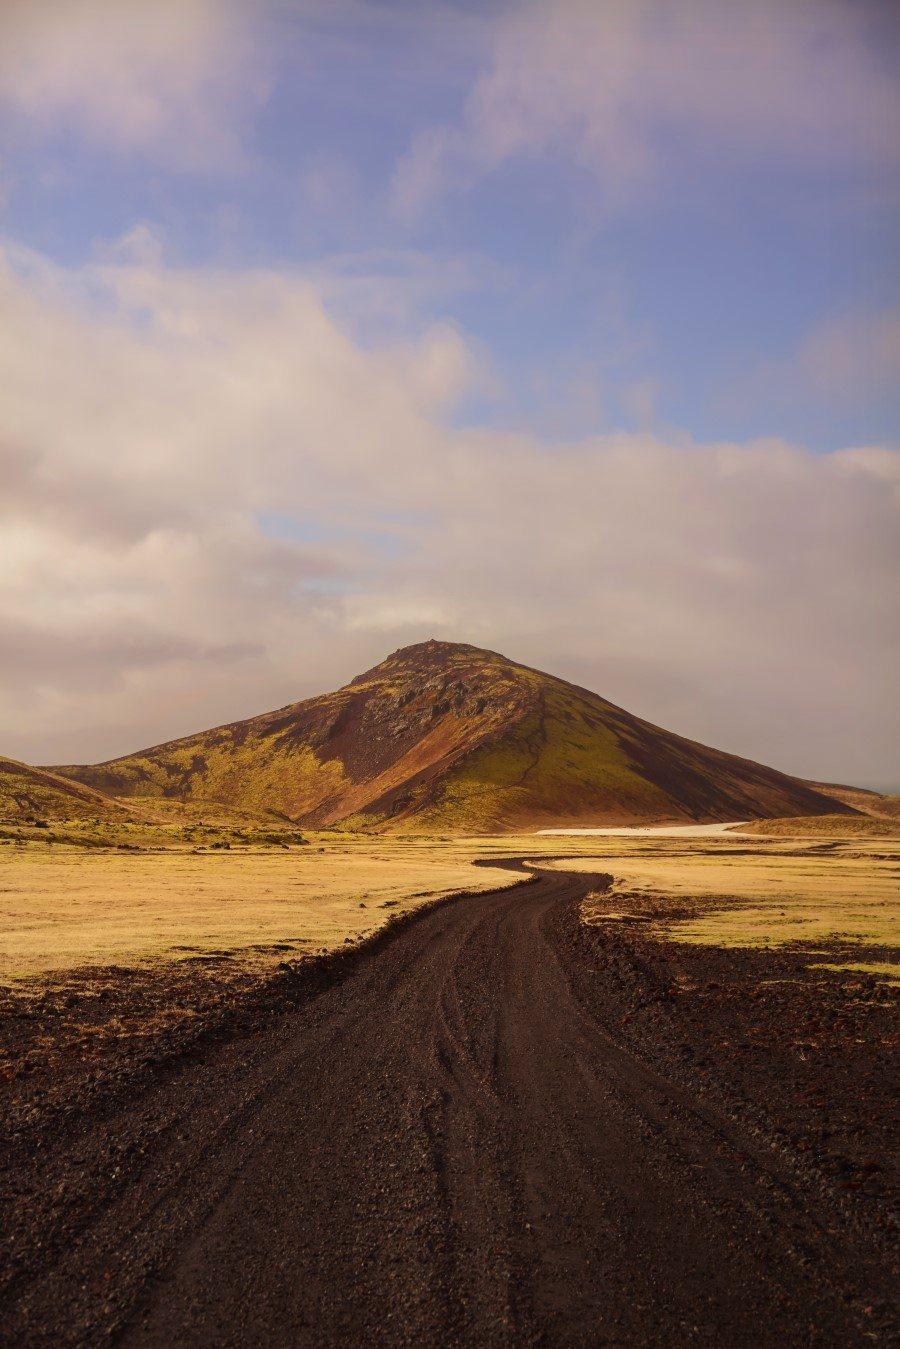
560,761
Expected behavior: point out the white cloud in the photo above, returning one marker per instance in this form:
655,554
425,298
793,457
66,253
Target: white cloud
170,79
853,357
155,418
329,186
626,86
847,363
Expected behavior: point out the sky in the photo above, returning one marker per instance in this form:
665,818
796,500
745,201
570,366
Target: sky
569,328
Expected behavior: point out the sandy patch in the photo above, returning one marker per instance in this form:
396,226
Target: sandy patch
651,831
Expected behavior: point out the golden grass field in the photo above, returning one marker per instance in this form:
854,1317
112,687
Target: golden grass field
64,906
840,892
832,826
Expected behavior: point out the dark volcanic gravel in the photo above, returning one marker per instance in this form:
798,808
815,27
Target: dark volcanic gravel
492,1126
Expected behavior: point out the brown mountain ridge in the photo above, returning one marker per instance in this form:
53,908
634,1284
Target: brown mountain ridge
448,737
28,793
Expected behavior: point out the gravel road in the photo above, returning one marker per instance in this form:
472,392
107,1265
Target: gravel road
452,1145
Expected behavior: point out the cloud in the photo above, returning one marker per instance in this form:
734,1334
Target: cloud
329,186
846,364
171,80
853,358
216,499
638,91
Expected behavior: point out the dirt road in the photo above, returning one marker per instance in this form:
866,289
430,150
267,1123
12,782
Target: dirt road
453,1145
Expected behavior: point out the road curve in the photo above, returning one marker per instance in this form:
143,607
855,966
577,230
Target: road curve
451,1146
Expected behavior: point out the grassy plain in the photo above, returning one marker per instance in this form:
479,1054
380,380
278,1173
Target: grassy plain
830,826
763,894
63,907
103,894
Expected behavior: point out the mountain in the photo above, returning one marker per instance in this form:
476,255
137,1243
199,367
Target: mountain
882,805
442,736
28,793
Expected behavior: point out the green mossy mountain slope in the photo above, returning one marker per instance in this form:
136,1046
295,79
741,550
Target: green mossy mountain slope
28,794
444,736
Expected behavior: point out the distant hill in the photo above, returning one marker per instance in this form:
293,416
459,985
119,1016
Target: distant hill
38,794
442,736
826,826
880,804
